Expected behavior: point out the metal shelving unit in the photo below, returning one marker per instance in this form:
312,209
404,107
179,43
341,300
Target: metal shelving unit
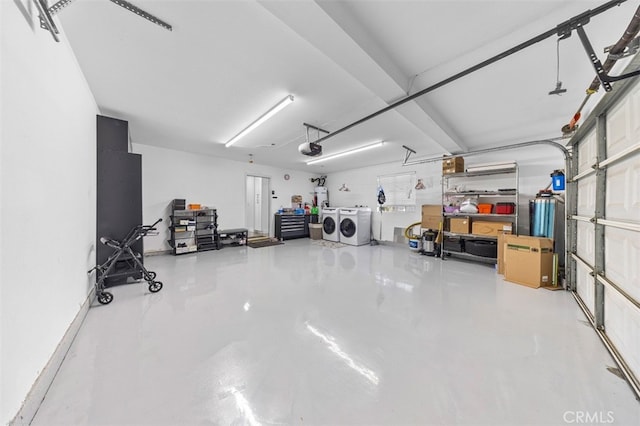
471,256
479,215
488,186
193,230
207,230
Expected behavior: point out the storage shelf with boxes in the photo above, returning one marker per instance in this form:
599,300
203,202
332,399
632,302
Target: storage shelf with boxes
475,208
479,214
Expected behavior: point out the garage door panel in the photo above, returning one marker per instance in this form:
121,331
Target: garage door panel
618,133
622,326
585,286
587,196
623,190
634,114
622,255
623,123
587,152
586,242
634,100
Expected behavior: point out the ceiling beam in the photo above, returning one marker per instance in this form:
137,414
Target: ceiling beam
325,31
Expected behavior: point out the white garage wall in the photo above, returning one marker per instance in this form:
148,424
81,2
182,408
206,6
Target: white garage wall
210,181
48,204
535,164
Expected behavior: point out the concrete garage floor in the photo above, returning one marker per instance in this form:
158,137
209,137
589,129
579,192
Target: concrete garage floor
305,334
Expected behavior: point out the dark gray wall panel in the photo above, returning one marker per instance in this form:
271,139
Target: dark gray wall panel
113,134
119,198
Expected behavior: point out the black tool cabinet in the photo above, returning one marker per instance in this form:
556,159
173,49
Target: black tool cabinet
290,226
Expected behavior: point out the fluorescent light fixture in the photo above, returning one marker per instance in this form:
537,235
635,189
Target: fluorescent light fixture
267,115
343,153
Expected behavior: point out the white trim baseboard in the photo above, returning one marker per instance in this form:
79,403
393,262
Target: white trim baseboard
40,387
156,252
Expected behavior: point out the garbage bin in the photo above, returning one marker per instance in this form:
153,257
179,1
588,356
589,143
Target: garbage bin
315,231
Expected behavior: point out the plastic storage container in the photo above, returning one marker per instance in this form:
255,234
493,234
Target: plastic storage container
485,208
315,231
482,248
453,244
505,208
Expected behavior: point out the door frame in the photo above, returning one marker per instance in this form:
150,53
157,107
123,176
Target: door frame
268,204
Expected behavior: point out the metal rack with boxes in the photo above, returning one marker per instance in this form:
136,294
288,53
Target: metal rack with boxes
192,229
478,204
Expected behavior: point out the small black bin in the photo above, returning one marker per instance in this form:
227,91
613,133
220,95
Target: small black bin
453,244
484,248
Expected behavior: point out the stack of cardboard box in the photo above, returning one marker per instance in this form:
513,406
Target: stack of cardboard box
452,165
431,216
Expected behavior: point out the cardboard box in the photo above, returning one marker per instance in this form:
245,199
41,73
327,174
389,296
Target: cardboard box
431,222
431,216
453,165
460,225
480,227
501,245
432,210
528,260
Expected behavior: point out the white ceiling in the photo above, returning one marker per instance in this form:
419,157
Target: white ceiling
226,62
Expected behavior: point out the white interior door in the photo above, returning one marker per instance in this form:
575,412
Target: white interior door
257,204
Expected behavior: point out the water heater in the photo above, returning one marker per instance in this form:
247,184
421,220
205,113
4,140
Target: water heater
321,197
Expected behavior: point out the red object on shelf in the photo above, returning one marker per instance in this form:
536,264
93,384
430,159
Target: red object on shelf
505,208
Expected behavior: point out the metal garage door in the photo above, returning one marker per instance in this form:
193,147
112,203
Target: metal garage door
605,227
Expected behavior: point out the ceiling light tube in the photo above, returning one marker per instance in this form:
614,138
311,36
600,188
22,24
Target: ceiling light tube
267,115
348,152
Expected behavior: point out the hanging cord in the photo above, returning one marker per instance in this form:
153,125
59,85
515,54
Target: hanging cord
558,90
558,82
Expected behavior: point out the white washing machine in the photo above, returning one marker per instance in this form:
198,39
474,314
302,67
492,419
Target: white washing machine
355,226
331,224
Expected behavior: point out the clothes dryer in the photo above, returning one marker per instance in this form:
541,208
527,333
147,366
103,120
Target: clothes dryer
355,226
331,224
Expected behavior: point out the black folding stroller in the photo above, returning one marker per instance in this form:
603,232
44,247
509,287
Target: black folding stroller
124,254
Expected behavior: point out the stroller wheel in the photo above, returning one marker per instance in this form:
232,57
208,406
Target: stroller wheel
152,275
155,286
105,297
